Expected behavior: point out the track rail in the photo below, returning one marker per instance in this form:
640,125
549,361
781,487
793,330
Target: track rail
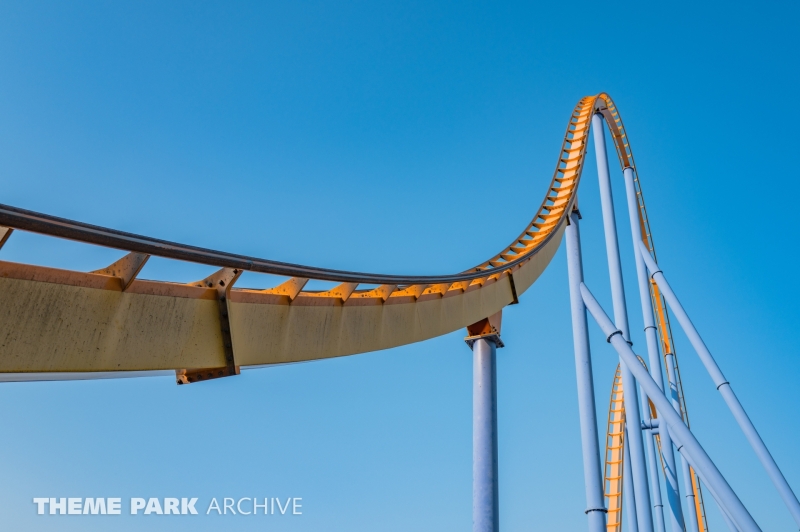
108,320
541,235
38,329
615,455
549,217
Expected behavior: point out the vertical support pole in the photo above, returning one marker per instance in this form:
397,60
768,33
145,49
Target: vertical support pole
674,510
632,414
485,510
628,494
593,474
724,387
652,463
691,510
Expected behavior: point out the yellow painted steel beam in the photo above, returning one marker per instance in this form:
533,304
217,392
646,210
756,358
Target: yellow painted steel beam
614,462
615,455
5,233
55,320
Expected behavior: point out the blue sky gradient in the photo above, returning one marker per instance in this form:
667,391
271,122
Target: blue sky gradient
397,137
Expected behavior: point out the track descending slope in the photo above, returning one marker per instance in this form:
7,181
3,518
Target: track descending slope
55,320
615,456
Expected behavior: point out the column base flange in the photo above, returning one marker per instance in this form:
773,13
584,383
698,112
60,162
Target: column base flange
492,337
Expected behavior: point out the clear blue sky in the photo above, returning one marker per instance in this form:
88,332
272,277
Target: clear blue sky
369,136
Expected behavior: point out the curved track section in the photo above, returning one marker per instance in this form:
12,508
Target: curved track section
615,455
108,321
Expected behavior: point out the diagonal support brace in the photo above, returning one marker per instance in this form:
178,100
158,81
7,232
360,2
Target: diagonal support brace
5,232
691,446
723,386
126,268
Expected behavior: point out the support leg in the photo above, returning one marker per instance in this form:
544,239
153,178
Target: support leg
485,511
652,465
724,387
593,474
691,509
725,517
638,461
674,510
690,447
722,508
628,494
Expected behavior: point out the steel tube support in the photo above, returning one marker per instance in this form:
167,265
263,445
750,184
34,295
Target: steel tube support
725,517
723,510
674,510
670,418
610,231
485,511
628,494
652,464
630,396
724,387
691,509
593,474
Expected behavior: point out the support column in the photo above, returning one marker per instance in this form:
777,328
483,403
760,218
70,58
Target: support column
674,510
485,510
690,447
722,508
628,494
724,387
593,473
691,509
631,399
725,517
652,463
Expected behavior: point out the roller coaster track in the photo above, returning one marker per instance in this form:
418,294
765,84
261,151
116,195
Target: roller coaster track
615,460
109,323
615,455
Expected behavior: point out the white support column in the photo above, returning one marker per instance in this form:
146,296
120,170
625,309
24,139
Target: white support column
653,466
690,447
628,494
485,504
723,386
593,473
691,508
630,396
674,510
